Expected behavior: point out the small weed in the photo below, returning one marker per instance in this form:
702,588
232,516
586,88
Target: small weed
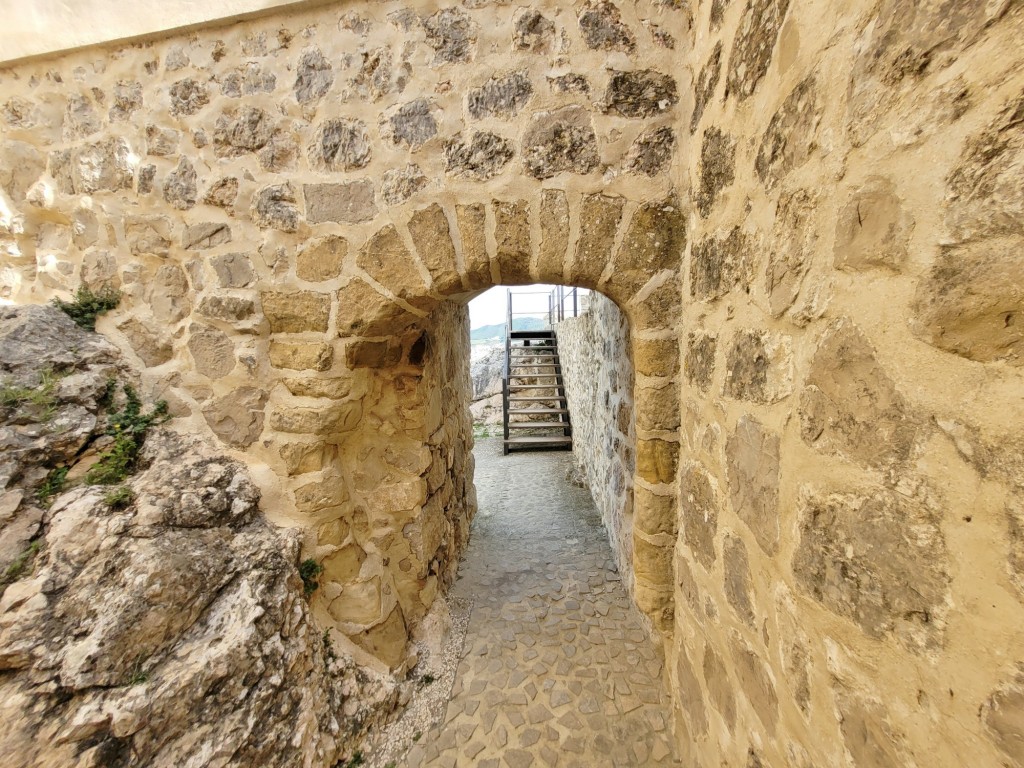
138,676
128,427
329,646
19,567
13,397
427,679
392,764
310,570
106,398
120,497
416,737
52,485
356,760
87,306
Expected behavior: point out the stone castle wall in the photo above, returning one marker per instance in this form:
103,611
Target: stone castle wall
598,374
848,562
809,211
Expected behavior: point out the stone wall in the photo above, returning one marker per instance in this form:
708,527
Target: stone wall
848,562
598,374
284,202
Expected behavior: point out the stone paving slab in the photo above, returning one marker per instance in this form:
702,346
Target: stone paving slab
556,669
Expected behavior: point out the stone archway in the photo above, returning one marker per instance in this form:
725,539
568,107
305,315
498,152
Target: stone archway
390,537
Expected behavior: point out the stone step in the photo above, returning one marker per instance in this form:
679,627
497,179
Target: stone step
520,387
538,424
535,399
530,411
538,441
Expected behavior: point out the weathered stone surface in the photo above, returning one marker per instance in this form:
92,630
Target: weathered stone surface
753,46
168,296
127,100
794,238
484,157
342,417
533,31
100,271
850,406
651,152
180,188
432,237
660,307
705,86
512,235
21,165
656,460
691,697
755,682
698,512
348,203
602,28
237,418
717,168
599,222
656,357
313,76
321,259
789,139
107,627
399,184
212,351
161,142
720,264
188,96
412,123
752,455
80,119
362,311
868,733
340,144
562,141
641,93
554,235
222,193
720,689
148,234
654,241
972,301
652,513
234,270
301,356
878,559
274,208
873,228
984,198
452,35
296,311
386,259
373,354
657,411
759,367
472,220
101,166
207,235
150,344
376,75
242,131
229,309
1015,521
501,96
737,577
333,388
570,83
1003,713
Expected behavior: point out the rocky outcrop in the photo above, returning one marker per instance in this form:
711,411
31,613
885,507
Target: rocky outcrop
161,622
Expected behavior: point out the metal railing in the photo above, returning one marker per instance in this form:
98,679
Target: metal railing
565,302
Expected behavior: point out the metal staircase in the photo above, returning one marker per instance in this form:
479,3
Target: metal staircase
535,413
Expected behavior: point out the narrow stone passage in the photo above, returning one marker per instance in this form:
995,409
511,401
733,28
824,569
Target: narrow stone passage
556,668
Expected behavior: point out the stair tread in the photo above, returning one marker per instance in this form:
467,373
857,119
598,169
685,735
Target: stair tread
530,411
538,424
539,440
538,399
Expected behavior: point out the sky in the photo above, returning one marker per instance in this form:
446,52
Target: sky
490,307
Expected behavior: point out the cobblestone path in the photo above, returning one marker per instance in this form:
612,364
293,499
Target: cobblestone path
556,668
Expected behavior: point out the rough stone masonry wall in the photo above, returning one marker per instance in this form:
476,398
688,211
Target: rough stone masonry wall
285,201
598,374
849,563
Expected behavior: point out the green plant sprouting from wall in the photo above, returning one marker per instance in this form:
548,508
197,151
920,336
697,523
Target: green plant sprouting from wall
309,571
40,398
21,563
52,485
86,306
128,427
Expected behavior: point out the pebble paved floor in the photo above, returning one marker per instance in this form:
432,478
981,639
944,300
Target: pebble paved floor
556,668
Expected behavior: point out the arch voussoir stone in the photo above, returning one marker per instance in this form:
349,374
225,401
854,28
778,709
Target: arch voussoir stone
514,247
600,217
472,220
431,235
386,259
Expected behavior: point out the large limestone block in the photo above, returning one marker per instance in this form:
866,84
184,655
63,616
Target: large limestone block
364,311
752,455
878,559
561,141
334,420
654,513
654,241
717,168
296,311
237,418
512,234
850,406
755,682
301,356
386,259
431,235
754,45
599,222
387,641
321,259
472,220
1003,715
554,235
656,357
874,228
211,350
698,512
349,202
659,308
738,588
322,499
759,367
656,460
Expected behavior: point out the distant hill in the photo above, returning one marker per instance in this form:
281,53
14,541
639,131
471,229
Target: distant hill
496,332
